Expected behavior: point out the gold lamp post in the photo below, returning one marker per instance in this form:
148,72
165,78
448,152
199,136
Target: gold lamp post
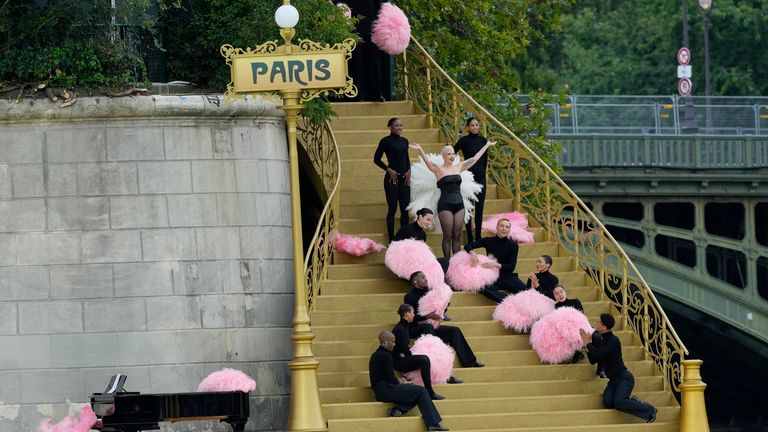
295,74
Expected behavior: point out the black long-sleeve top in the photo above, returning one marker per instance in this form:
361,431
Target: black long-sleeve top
411,231
470,145
503,249
402,338
547,282
574,303
395,148
608,353
381,367
412,297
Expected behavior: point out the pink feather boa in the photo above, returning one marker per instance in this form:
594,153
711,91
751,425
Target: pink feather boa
391,31
227,380
85,421
355,246
519,230
463,277
435,301
555,337
518,312
405,257
440,359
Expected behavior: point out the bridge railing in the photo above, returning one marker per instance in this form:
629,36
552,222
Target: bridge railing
539,192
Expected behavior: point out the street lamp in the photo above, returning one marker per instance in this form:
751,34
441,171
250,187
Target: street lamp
690,123
705,6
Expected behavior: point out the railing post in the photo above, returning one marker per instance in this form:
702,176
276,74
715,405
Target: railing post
429,98
693,410
405,74
576,234
517,182
646,331
664,357
548,207
455,113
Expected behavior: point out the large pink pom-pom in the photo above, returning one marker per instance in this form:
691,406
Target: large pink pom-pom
440,359
391,31
518,312
405,257
227,380
463,277
555,337
519,229
84,423
356,246
435,301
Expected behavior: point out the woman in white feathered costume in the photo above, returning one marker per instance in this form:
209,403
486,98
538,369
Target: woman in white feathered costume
455,193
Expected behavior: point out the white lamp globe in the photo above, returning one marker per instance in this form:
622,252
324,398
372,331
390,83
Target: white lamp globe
705,4
286,16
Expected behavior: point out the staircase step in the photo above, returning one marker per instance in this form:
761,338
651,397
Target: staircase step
371,138
378,209
367,228
634,426
378,122
391,109
379,271
374,184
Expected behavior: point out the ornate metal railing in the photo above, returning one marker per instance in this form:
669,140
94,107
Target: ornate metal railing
539,192
320,145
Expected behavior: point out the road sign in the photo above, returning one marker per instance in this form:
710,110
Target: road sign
684,71
683,56
684,87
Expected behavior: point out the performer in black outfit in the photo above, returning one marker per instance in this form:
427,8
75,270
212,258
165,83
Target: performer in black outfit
397,179
415,230
621,381
505,252
470,145
387,388
543,280
403,359
370,67
562,300
452,336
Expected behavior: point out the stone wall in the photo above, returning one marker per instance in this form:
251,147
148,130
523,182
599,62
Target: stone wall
149,236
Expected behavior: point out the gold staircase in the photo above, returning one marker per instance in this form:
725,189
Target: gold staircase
356,298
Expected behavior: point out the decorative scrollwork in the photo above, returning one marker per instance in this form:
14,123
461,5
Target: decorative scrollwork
536,190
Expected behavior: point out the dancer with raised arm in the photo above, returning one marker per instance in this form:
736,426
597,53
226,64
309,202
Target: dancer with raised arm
470,145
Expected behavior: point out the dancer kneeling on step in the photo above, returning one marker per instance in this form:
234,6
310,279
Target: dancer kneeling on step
505,251
387,388
451,335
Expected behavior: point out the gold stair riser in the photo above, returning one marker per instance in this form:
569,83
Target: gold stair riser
527,251
494,405
347,123
633,426
491,359
392,109
379,208
363,393
376,231
372,138
556,418
354,150
379,271
376,184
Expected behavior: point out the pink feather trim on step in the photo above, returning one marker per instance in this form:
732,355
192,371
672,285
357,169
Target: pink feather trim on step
435,301
555,337
440,358
86,419
227,380
355,246
518,312
463,277
391,31
405,257
519,230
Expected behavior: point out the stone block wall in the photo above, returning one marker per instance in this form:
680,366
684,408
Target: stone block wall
149,236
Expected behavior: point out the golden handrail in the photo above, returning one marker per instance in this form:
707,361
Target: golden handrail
320,144
537,190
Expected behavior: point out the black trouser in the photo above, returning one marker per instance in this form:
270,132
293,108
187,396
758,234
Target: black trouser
454,337
477,214
399,193
617,395
507,282
413,362
406,396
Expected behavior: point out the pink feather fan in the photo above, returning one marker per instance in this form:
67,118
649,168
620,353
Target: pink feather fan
518,312
435,301
355,246
519,230
227,380
463,277
86,419
555,337
405,257
440,358
391,31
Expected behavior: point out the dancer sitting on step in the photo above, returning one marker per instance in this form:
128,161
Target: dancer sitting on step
543,281
397,180
416,230
388,388
562,300
451,335
620,379
451,210
403,359
505,251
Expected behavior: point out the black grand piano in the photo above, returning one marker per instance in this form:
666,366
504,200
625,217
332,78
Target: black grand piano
122,411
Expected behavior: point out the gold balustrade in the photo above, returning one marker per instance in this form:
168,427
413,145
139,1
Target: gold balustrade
538,191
